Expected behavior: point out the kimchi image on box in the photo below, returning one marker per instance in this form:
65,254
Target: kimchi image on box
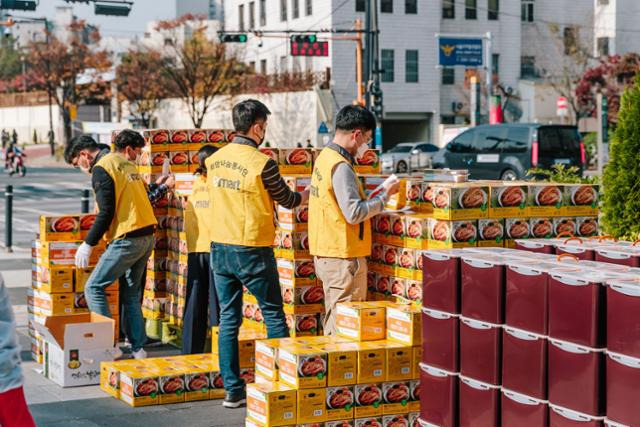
524,362
508,200
271,152
156,136
575,367
76,345
416,231
404,324
480,350
299,272
520,410
60,228
295,160
414,193
438,396
623,324
368,400
482,287
441,280
340,403
460,201
587,226
445,234
139,386
580,200
440,339
623,393
526,296
563,417
621,255
369,162
302,366
271,404
172,386
490,232
360,321
577,307
542,227
545,199
479,403
563,226
426,199
395,397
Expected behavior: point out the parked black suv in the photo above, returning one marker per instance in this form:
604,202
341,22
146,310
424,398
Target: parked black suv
507,151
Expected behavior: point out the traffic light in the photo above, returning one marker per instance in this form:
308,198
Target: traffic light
18,4
376,94
112,8
308,45
233,38
304,38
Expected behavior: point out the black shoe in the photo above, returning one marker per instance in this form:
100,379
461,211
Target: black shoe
152,342
235,401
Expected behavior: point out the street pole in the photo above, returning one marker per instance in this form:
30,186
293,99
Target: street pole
360,99
489,76
474,103
602,112
368,52
8,221
86,196
375,53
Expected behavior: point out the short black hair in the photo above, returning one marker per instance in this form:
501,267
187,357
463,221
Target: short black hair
77,144
247,112
203,154
352,117
128,138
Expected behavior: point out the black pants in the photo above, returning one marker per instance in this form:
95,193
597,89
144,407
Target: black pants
202,309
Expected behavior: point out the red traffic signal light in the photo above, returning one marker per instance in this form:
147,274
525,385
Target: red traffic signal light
304,48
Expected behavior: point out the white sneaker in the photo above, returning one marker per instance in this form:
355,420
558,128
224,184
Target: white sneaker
116,353
140,354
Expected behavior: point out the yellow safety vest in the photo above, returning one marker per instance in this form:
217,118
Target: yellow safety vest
196,221
330,235
133,209
241,211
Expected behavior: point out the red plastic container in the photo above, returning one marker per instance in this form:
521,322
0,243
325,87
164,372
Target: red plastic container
623,323
480,350
479,403
524,362
575,247
523,411
563,417
577,307
621,255
482,293
441,280
576,377
543,246
440,339
526,296
438,396
623,389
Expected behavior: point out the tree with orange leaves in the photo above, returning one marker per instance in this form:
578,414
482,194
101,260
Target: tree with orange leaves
59,62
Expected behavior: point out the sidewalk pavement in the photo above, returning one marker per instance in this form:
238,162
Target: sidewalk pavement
53,406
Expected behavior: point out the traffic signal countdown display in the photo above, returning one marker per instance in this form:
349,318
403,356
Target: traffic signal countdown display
308,45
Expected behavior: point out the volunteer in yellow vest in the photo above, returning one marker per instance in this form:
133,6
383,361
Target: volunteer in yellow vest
244,184
201,307
339,213
125,220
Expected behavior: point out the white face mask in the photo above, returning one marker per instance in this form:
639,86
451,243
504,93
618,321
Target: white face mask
362,149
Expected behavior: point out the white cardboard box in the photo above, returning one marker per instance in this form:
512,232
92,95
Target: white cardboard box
74,347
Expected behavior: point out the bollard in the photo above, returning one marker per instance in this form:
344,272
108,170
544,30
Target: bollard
8,209
86,196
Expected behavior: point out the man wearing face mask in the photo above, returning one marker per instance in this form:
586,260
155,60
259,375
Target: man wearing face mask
243,186
339,213
126,221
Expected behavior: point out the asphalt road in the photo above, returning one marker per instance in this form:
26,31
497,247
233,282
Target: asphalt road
43,190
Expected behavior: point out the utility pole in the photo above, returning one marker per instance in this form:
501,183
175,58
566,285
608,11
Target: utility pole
489,76
375,64
368,57
360,99
603,113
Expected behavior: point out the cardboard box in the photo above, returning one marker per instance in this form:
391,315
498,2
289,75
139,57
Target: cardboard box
219,136
404,325
542,227
156,136
414,193
295,219
295,160
57,254
400,360
246,345
302,366
414,291
360,321
172,384
490,232
297,182
184,183
273,153
139,387
299,272
342,362
81,275
545,199
417,359
271,404
414,390
368,400
266,358
295,298
564,226
52,280
516,228
460,201
372,362
445,234
426,200
587,226
76,345
86,221
396,420
396,397
580,200
366,422
301,325
311,406
64,228
369,162
416,231
46,304
508,200
340,403
398,286
110,374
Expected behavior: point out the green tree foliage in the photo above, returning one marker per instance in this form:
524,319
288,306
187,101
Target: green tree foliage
10,65
621,180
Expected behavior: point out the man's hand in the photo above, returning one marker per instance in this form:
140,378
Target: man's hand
305,196
392,188
82,255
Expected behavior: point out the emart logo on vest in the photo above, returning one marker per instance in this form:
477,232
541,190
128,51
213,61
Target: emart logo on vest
229,184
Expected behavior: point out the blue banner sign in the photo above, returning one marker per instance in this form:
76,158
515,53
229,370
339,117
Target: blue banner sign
460,52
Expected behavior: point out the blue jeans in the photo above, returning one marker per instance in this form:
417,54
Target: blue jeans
255,268
125,258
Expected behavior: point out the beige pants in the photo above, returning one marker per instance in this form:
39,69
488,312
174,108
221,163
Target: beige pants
343,280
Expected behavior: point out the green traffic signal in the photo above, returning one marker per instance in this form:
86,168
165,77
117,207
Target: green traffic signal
233,38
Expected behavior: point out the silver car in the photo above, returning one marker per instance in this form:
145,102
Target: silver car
407,156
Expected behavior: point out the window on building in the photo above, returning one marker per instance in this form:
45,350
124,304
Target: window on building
283,10
295,7
494,10
603,46
603,2
411,66
448,76
308,7
241,17
495,66
252,17
528,67
448,9
470,9
296,64
360,6
252,65
386,6
569,40
526,14
308,64
283,64
263,13
411,6
388,64
263,66
448,119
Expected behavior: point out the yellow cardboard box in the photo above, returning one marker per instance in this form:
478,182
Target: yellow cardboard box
399,365
342,363
414,391
302,366
246,344
340,403
311,405
64,228
459,201
172,384
396,397
139,386
360,321
369,400
266,355
271,404
372,362
52,279
404,324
